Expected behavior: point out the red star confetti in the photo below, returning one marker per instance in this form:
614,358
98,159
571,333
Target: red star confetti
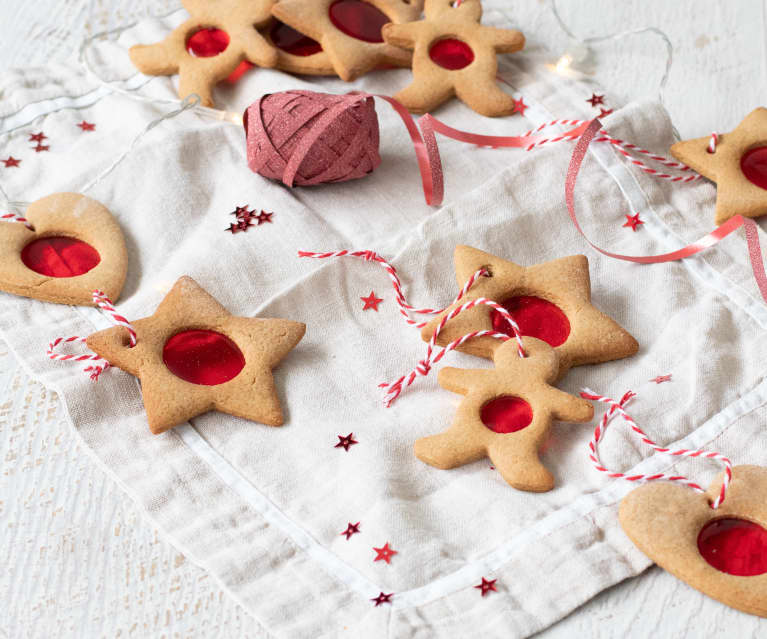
242,211
11,161
371,301
351,529
242,224
604,112
520,106
596,99
661,378
346,442
42,147
486,586
38,137
385,553
382,599
264,217
87,126
633,221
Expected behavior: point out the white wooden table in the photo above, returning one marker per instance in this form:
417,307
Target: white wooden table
78,560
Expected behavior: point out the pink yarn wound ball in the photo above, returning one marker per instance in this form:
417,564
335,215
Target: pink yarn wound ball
305,138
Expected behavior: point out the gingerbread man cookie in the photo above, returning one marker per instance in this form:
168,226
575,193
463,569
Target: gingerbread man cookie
350,31
550,301
506,415
193,356
453,54
232,26
74,247
722,552
738,165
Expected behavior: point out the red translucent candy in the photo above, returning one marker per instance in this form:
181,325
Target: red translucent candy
203,357
451,54
208,42
358,19
59,256
754,166
536,318
240,71
291,41
506,414
735,546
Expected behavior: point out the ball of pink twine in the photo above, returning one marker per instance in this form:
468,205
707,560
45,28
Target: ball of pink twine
305,138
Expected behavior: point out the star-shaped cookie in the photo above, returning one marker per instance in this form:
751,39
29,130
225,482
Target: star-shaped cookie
453,54
238,19
551,301
349,30
241,350
506,415
738,165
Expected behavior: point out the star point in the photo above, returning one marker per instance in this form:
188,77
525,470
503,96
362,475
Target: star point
371,301
384,553
487,585
169,399
633,222
346,441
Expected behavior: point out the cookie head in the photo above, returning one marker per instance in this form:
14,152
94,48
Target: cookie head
74,246
722,552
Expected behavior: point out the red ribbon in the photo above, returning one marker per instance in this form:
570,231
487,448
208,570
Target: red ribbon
707,241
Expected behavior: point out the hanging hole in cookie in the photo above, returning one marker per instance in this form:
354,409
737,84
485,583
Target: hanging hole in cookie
451,54
291,41
59,256
358,19
734,546
506,414
536,317
754,166
207,42
203,357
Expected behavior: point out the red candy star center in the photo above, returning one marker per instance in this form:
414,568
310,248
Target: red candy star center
87,126
11,161
596,99
351,529
486,586
346,442
633,221
371,301
382,599
385,553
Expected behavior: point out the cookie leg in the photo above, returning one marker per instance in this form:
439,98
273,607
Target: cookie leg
450,449
422,97
486,98
520,467
192,81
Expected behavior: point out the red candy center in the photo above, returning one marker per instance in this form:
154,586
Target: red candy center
754,166
358,19
291,41
506,414
203,357
734,546
451,54
59,256
536,318
208,42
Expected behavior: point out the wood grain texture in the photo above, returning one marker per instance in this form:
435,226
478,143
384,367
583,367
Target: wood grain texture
86,564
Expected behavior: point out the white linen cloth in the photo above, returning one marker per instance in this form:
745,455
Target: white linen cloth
262,508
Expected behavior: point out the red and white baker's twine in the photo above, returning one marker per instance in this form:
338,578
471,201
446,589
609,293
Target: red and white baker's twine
617,408
404,308
394,389
105,304
713,142
624,148
12,217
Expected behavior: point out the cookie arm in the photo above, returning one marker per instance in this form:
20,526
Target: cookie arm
568,408
155,59
401,35
504,40
460,380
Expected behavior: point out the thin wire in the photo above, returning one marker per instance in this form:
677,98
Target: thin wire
623,34
187,103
